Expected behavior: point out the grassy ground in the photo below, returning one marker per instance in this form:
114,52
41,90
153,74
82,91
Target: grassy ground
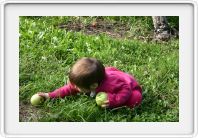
49,45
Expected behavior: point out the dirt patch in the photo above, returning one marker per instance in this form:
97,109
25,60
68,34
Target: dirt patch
114,29
28,113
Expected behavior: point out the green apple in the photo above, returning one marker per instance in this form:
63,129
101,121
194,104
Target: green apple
100,98
36,100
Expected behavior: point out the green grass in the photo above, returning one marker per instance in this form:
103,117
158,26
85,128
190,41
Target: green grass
47,52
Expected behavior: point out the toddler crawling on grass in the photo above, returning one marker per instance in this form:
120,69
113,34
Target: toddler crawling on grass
90,76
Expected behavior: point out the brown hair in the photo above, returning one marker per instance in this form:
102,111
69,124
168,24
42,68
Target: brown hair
87,71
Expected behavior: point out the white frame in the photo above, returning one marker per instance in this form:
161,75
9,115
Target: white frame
3,132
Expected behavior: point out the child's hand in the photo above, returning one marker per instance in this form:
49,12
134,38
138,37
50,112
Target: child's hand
105,104
44,95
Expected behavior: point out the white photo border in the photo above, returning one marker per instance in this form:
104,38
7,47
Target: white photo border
4,133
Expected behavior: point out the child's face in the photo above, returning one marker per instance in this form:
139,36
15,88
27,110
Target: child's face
83,90
92,88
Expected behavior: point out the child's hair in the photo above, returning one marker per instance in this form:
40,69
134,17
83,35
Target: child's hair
87,71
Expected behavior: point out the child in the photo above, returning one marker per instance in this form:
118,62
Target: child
90,76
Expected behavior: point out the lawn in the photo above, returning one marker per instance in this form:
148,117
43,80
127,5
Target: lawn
49,45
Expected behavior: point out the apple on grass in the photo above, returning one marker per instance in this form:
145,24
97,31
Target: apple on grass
100,98
36,100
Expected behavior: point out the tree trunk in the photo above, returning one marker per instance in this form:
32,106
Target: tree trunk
162,31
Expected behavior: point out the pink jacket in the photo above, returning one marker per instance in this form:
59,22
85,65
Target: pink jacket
118,85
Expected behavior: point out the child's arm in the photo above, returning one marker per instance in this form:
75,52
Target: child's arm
61,92
119,98
66,90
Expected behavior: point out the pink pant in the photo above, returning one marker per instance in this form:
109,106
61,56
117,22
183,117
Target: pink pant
135,99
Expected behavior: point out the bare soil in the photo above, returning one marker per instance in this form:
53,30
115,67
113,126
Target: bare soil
115,29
